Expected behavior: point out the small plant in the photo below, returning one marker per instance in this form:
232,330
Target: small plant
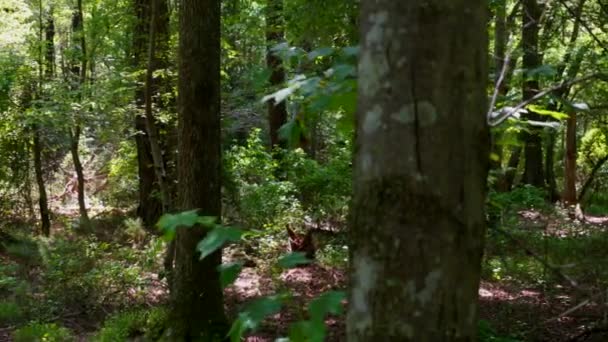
39,332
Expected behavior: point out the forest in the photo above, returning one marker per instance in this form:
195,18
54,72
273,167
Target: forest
303,170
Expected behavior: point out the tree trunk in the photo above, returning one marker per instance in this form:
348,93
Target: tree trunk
570,173
549,167
277,112
198,305
598,165
154,140
150,205
506,182
79,72
45,217
500,46
50,45
420,171
533,151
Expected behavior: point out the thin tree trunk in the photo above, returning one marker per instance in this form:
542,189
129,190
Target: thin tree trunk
570,173
45,217
421,164
500,47
549,167
197,298
533,151
277,112
154,140
50,46
79,71
591,178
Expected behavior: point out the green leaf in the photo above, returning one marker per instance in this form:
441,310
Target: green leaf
320,52
543,70
327,303
168,223
216,238
542,111
253,314
293,260
229,273
291,132
351,51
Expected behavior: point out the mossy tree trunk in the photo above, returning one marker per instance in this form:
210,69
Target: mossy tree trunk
417,221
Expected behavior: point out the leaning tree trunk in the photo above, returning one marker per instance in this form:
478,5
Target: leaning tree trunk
198,306
277,112
420,171
533,151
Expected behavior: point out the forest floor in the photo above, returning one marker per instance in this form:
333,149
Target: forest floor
526,309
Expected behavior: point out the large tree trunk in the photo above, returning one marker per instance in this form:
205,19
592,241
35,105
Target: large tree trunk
533,151
420,171
277,112
198,308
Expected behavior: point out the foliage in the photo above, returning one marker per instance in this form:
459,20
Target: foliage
88,273
43,333
488,334
150,324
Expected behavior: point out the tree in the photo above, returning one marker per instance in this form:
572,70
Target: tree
277,112
533,151
79,72
198,308
150,206
421,163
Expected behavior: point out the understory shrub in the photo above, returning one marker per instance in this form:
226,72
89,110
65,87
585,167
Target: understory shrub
39,332
150,324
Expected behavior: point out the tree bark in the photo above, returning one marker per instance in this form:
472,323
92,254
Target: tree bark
277,112
533,151
421,164
197,298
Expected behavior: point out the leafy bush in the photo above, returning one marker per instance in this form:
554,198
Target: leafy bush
88,273
122,176
148,323
43,333
488,334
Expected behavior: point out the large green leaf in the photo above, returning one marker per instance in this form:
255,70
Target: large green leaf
217,238
229,273
293,259
168,223
551,113
253,314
